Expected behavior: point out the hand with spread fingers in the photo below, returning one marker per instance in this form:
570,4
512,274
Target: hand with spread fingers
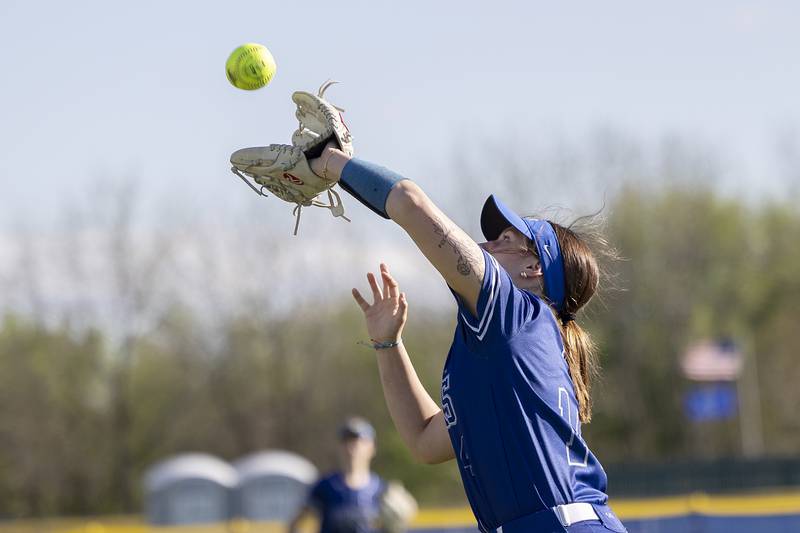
387,314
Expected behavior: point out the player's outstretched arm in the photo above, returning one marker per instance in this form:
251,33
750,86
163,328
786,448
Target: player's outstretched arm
418,418
449,249
454,254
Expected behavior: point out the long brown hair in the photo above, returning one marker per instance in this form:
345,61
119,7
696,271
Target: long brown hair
581,279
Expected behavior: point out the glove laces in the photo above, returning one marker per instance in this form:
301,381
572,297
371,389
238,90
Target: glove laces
323,88
334,204
334,200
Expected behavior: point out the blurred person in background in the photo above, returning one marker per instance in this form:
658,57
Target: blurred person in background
352,499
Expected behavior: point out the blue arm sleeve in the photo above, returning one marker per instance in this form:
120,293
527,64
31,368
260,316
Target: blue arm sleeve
369,183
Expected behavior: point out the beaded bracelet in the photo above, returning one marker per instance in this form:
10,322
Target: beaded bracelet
386,344
381,345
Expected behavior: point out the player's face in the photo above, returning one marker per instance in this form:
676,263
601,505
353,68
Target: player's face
512,252
510,241
357,449
510,248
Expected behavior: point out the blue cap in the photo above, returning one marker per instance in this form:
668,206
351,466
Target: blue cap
356,428
496,217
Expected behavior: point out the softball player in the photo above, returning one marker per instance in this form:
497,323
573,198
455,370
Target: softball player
347,501
515,387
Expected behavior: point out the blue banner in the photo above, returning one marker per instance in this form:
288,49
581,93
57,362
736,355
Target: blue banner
710,402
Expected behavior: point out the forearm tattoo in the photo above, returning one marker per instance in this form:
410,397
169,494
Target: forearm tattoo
464,261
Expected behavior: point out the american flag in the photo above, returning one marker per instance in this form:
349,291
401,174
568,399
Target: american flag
719,360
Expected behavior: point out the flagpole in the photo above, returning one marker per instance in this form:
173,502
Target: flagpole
750,421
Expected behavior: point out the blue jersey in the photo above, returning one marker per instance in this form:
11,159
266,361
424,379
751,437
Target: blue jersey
343,509
511,410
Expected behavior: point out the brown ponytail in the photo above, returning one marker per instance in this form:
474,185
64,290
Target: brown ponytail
582,360
581,279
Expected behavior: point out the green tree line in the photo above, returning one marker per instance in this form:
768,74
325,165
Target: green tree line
84,410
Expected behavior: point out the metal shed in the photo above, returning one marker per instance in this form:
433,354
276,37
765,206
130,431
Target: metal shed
189,489
272,485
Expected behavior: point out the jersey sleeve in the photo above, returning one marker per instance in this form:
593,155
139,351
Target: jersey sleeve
502,308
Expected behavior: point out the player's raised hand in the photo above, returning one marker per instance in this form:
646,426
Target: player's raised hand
387,314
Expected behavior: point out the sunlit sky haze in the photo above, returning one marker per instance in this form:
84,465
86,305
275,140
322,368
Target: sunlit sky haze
104,91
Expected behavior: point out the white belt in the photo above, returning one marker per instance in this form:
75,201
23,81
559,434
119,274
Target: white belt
575,512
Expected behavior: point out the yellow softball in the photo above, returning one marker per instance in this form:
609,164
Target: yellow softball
250,67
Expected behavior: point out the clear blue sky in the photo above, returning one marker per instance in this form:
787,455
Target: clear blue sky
103,90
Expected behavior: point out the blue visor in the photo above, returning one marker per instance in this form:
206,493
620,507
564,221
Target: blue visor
496,217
